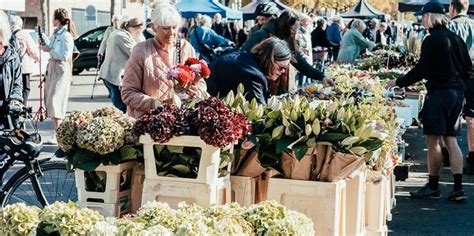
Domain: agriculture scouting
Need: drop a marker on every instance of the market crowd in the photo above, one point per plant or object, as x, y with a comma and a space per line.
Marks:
282, 52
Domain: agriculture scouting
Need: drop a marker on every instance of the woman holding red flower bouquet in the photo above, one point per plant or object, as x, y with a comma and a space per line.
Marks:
146, 83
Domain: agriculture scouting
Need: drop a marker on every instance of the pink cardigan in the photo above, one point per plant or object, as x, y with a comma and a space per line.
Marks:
144, 78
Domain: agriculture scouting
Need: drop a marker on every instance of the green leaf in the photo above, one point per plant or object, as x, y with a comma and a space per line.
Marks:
308, 130
128, 152
182, 169
349, 141
300, 150
372, 144
175, 149
333, 137
316, 127
282, 144
359, 151
241, 89
158, 148
88, 165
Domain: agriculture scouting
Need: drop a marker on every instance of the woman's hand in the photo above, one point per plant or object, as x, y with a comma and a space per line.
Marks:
328, 81
194, 91
391, 83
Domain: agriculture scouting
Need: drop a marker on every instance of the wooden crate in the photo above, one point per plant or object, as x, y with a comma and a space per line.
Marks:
174, 191
208, 166
112, 193
355, 196
243, 189
137, 187
375, 208
107, 209
323, 202
262, 185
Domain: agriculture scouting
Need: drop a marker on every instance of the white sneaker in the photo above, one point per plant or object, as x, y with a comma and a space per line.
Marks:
53, 140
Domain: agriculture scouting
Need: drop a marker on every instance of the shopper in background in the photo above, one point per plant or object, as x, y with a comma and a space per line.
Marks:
334, 33
222, 28
371, 31
266, 62
119, 49
382, 36
103, 45
353, 42
445, 64
463, 26
264, 12
303, 44
10, 72
29, 54
59, 70
203, 39
145, 83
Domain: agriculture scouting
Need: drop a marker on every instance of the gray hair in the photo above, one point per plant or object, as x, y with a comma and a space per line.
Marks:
5, 30
358, 25
205, 21
436, 19
166, 14
16, 23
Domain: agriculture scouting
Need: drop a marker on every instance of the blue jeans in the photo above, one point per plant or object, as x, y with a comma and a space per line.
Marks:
115, 95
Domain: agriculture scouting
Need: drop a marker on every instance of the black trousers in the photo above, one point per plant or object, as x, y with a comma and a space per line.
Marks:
26, 88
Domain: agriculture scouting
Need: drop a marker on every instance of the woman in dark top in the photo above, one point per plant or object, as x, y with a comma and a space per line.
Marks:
319, 36
266, 62
445, 64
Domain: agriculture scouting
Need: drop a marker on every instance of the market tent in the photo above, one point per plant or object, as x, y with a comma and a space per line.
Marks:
415, 5
12, 5
363, 10
189, 9
249, 9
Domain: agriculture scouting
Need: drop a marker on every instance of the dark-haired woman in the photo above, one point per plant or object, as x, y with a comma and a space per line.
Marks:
59, 70
254, 70
285, 28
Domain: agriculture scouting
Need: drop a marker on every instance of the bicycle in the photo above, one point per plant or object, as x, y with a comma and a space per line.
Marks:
38, 181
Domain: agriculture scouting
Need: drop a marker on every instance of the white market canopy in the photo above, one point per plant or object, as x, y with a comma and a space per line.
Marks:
189, 9
363, 10
12, 5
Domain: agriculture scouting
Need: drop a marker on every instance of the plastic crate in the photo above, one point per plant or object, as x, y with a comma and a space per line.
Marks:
323, 202
173, 192
375, 207
137, 187
108, 209
355, 221
208, 165
112, 192
243, 190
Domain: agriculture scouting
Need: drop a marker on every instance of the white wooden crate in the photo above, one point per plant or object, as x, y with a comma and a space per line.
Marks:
174, 191
137, 187
355, 220
112, 191
375, 208
322, 202
208, 166
107, 209
243, 189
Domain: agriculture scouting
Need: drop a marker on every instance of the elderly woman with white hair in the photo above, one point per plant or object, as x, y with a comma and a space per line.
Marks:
353, 42
103, 45
446, 66
29, 53
10, 77
145, 84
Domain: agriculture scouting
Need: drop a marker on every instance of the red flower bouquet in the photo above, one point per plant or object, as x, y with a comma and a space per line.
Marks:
188, 74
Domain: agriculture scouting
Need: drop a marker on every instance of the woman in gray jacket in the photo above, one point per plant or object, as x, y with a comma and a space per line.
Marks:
119, 48
353, 42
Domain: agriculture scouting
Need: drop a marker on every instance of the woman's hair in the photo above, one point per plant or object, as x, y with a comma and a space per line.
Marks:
284, 23
62, 15
165, 14
358, 25
205, 21
16, 23
5, 31
271, 50
320, 23
115, 17
437, 19
134, 22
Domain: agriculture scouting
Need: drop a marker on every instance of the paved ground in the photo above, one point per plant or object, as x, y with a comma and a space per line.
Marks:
410, 217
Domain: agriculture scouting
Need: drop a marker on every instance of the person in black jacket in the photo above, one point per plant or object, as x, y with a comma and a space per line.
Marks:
11, 87
445, 64
285, 28
266, 62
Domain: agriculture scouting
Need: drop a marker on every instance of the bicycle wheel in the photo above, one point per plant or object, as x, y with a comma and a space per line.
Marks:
57, 184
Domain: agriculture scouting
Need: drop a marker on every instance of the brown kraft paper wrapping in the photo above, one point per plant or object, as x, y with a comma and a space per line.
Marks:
262, 185
321, 151
251, 166
325, 169
344, 166
294, 169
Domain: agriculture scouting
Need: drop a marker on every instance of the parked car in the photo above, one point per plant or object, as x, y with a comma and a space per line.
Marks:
88, 45
44, 55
